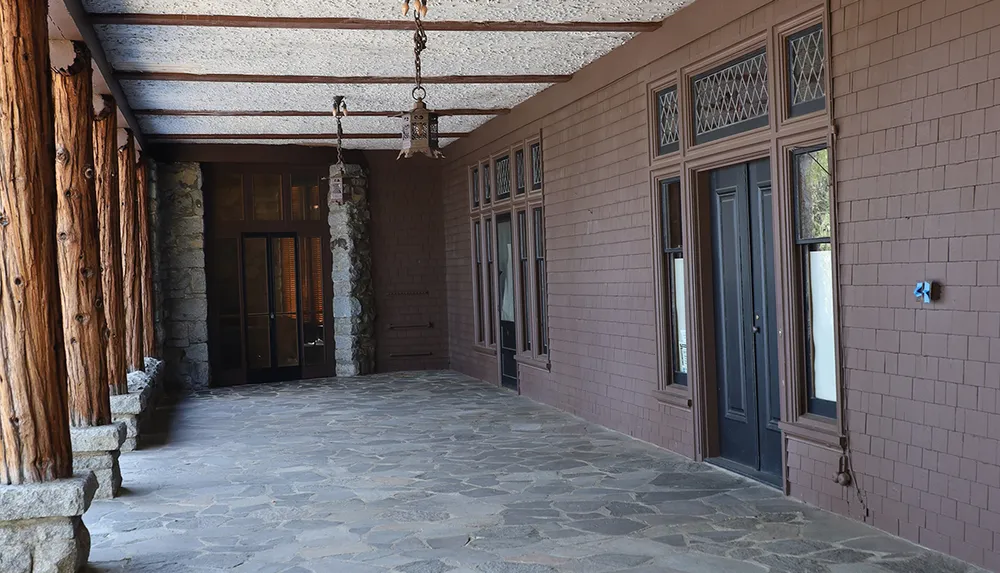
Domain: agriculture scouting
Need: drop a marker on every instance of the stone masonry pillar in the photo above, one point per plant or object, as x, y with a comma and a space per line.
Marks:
353, 293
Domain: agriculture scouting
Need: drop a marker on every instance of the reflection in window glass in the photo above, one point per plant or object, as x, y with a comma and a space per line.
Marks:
673, 274
813, 226
228, 197
505, 270
311, 291
306, 198
267, 197
285, 301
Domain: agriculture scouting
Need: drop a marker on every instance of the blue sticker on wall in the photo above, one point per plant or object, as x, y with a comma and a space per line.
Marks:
923, 292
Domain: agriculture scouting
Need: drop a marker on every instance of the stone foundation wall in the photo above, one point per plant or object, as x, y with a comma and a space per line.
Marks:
182, 275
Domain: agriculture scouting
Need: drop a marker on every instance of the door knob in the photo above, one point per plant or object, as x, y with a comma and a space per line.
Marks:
756, 330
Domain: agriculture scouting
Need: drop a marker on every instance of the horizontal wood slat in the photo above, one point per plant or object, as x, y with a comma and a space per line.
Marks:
219, 21
294, 113
309, 136
284, 79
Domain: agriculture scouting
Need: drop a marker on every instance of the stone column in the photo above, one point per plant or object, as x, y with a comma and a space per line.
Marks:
353, 293
182, 275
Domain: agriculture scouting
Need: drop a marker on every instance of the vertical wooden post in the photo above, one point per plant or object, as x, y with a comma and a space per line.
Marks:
145, 257
108, 207
77, 251
34, 422
130, 255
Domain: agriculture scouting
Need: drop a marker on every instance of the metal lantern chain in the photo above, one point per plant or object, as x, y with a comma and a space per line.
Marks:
419, 45
339, 112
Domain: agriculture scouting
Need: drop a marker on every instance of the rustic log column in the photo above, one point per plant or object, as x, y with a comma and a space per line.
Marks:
78, 254
108, 207
34, 423
145, 258
40, 501
130, 255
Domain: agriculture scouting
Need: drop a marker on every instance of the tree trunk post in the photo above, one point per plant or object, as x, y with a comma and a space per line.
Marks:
34, 422
108, 208
145, 258
41, 502
78, 254
130, 255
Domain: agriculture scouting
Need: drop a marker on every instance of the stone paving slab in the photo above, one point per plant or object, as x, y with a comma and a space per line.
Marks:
438, 473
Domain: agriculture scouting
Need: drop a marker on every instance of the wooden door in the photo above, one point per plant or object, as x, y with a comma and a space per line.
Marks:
745, 320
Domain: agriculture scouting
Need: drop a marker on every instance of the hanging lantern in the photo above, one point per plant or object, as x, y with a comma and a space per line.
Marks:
420, 125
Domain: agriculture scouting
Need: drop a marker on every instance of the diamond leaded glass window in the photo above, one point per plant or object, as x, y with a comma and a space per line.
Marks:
536, 166
731, 99
520, 184
667, 121
806, 71
502, 171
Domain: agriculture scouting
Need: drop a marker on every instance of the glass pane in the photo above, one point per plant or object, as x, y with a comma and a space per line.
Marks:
267, 197
306, 198
667, 129
475, 187
478, 240
313, 316
731, 99
821, 343
230, 342
519, 171
228, 197
502, 170
285, 301
670, 199
812, 177
258, 341
536, 166
490, 313
226, 277
808, 71
505, 270
680, 317
255, 275
487, 193
541, 322
523, 286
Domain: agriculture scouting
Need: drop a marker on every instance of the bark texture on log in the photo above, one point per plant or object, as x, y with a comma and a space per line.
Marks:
34, 422
108, 207
77, 250
145, 258
130, 256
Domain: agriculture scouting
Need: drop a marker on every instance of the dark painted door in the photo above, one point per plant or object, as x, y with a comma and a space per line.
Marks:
745, 322
271, 294
505, 279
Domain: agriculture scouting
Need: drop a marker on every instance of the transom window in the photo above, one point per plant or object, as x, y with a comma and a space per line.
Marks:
536, 166
502, 169
667, 128
806, 71
731, 99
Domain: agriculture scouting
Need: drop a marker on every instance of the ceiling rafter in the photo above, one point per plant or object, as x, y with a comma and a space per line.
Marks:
221, 21
295, 113
286, 79
280, 136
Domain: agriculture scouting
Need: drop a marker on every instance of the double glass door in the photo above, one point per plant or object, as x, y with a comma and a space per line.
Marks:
271, 309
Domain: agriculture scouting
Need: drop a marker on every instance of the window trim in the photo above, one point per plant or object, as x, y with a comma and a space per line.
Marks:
475, 198
532, 186
659, 150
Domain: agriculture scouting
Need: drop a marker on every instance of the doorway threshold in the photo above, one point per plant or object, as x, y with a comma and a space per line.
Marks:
764, 478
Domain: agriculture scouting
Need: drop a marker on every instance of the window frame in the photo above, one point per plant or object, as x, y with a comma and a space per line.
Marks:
736, 129
534, 185
660, 150
475, 199
497, 197
672, 376
477, 282
540, 269
809, 404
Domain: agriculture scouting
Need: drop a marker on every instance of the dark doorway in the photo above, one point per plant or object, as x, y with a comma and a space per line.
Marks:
271, 309
745, 322
268, 274
505, 280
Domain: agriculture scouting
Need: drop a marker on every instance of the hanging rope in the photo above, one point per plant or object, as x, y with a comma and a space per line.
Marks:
419, 45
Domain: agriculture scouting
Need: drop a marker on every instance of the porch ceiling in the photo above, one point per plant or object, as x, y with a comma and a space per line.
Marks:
484, 60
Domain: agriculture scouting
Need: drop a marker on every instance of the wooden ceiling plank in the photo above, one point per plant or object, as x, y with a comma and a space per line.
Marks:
280, 136
285, 79
222, 21
294, 113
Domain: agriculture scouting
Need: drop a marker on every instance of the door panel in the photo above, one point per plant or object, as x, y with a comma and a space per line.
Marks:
745, 323
272, 307
505, 280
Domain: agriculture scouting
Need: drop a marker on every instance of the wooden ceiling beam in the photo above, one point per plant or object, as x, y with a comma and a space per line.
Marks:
294, 113
282, 79
220, 21
280, 136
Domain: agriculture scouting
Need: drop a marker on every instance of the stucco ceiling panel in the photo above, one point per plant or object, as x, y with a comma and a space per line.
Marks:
317, 97
300, 125
352, 144
477, 10
206, 50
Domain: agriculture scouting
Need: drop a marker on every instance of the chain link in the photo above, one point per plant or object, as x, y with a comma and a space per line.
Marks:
339, 110
419, 45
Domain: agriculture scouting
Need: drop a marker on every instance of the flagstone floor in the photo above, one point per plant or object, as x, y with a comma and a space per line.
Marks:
435, 473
